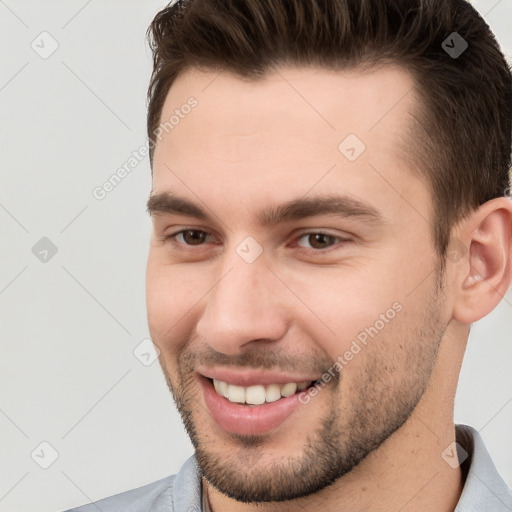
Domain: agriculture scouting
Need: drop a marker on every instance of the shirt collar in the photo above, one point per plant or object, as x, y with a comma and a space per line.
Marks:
484, 489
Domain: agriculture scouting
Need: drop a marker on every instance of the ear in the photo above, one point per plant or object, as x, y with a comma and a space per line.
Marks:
484, 274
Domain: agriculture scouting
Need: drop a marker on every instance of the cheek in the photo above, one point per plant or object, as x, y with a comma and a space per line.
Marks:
346, 306
175, 296
171, 290
166, 302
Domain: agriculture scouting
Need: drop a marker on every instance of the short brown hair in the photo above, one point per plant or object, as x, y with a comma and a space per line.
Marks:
460, 137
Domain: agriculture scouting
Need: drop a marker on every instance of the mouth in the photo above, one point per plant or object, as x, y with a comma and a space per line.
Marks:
252, 410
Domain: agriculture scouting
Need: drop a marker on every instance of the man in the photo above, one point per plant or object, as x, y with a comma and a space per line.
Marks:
330, 214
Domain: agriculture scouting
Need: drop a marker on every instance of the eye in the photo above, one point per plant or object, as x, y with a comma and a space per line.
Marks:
318, 241
189, 237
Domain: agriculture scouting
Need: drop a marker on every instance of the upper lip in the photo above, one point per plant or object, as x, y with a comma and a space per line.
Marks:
248, 377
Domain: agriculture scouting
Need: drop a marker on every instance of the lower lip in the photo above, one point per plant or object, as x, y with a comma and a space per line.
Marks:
247, 420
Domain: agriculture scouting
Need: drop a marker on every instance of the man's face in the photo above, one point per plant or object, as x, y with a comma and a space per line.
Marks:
264, 300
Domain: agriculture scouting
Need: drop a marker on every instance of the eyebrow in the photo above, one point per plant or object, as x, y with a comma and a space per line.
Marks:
341, 205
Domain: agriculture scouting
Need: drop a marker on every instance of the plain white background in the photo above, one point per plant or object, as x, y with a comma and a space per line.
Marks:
69, 325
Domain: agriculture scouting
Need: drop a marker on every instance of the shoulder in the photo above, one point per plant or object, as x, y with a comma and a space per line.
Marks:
134, 500
173, 493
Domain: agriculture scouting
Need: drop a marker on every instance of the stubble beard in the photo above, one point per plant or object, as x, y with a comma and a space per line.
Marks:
387, 393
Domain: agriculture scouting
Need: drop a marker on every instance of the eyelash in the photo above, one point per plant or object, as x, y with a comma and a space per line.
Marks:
172, 239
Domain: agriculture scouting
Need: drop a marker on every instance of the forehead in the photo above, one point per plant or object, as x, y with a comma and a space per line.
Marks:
279, 137
359, 97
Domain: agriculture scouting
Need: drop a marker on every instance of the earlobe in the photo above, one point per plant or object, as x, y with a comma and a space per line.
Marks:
486, 270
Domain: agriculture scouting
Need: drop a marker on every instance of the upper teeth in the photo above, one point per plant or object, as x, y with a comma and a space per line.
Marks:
256, 395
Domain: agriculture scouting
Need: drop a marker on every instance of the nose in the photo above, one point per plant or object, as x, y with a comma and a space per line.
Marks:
246, 306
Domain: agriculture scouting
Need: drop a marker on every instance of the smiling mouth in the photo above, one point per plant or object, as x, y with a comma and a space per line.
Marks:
259, 394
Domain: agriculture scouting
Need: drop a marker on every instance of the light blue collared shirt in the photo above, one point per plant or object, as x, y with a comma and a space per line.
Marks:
484, 489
